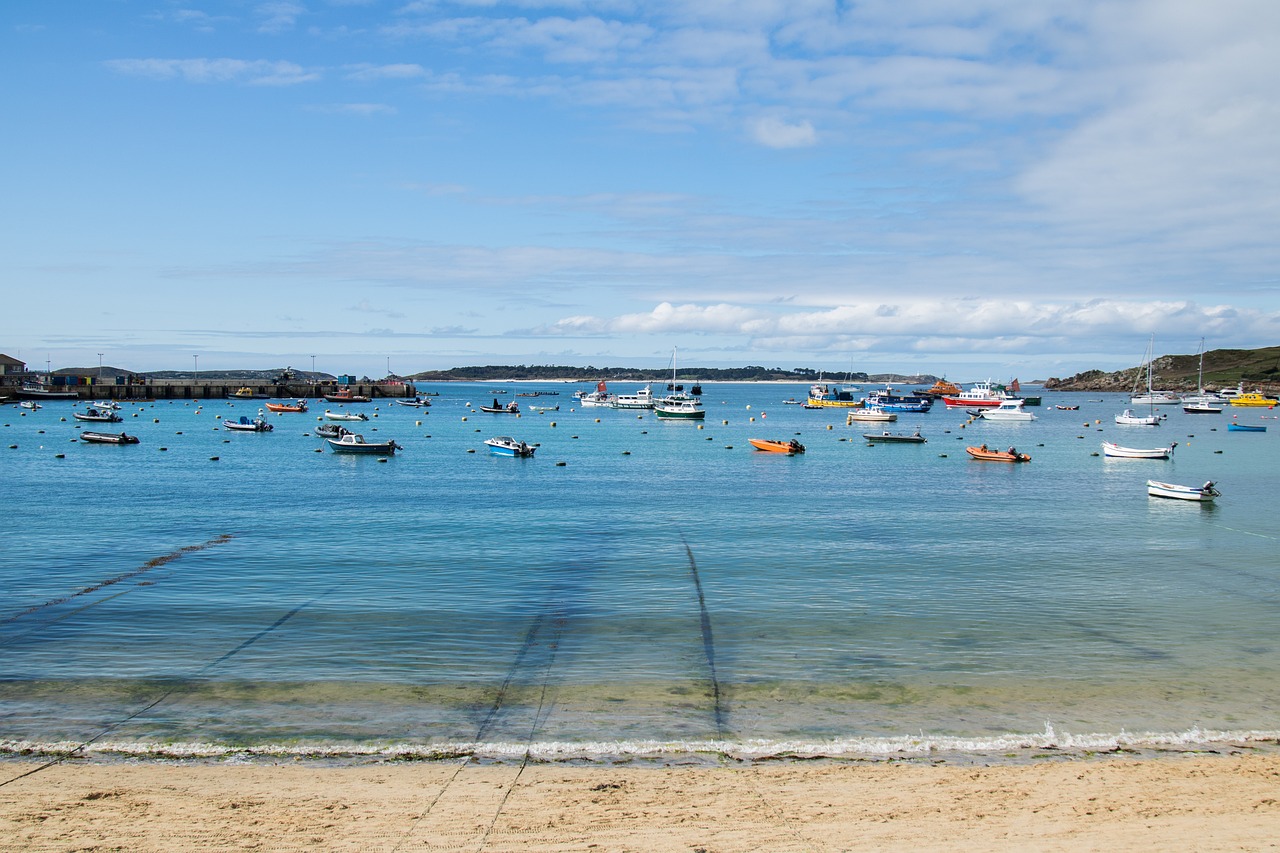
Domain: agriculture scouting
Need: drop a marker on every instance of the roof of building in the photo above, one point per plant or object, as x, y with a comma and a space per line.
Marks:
4, 359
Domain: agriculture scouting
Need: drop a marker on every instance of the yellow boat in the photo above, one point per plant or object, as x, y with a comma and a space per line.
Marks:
1253, 398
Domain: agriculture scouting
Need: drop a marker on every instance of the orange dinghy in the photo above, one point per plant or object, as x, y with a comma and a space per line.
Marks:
987, 454
776, 446
299, 406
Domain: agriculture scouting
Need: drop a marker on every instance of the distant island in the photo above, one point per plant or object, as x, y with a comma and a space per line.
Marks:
568, 373
1223, 368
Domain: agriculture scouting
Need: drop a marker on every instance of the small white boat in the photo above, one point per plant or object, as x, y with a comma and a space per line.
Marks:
1207, 492
1200, 408
872, 414
642, 399
1118, 452
505, 445
258, 424
355, 443
416, 402
345, 416
1128, 418
97, 416
1008, 410
30, 404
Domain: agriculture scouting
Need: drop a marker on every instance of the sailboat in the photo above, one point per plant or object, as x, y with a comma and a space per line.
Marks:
1128, 417
1201, 403
677, 405
1153, 398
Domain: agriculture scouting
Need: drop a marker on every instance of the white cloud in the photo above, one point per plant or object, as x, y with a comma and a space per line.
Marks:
258, 72
776, 133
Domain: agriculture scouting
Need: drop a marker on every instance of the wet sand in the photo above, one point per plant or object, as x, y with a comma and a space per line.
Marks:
1215, 802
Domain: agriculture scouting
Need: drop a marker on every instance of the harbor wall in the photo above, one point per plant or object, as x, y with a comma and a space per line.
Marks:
218, 389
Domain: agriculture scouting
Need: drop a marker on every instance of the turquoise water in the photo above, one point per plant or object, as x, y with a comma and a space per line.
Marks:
666, 590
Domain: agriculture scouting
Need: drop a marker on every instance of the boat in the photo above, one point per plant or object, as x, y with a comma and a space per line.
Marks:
258, 424
941, 388
775, 445
1207, 492
1008, 410
986, 454
1202, 402
642, 399
512, 408
1156, 398
1128, 418
505, 445
355, 443
30, 405
417, 403
872, 414
330, 431
983, 395
823, 395
1245, 428
344, 395
36, 391
1115, 451
1067, 408
598, 397
247, 393
108, 438
678, 405
1015, 389
345, 416
791, 402
298, 406
1254, 399
1199, 408
100, 416
888, 401
895, 437
544, 408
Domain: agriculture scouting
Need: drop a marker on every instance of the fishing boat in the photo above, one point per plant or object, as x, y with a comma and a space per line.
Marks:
345, 416
247, 393
887, 437
36, 391
108, 438
1115, 451
330, 431
642, 399
245, 424
1128, 418
678, 405
942, 388
823, 395
296, 406
983, 395
505, 445
1191, 407
986, 454
1233, 427
776, 445
344, 395
599, 397
100, 416
1254, 399
355, 443
512, 408
1207, 492
1008, 410
872, 414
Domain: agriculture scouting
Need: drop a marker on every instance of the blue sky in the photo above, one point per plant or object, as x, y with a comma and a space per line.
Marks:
962, 188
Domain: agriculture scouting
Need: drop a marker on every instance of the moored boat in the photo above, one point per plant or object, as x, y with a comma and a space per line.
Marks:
345, 416
97, 416
1233, 427
642, 399
296, 406
986, 454
1062, 408
887, 437
355, 443
678, 405
30, 405
245, 424
1199, 407
942, 388
1128, 418
1008, 410
35, 391
983, 395
824, 395
108, 438
1255, 399
1207, 492
416, 403
598, 397
512, 408
777, 445
888, 401
344, 395
1117, 452
247, 393
872, 414
505, 445
330, 431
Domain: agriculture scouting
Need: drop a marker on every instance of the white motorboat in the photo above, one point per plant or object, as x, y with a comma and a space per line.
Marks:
642, 399
505, 445
97, 416
1008, 410
1128, 418
244, 424
873, 414
345, 416
1117, 452
1207, 492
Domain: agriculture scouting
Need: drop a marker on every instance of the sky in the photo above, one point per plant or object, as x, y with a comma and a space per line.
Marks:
969, 188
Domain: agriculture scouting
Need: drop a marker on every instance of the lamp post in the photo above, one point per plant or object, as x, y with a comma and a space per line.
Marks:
313, 367
99, 367
196, 375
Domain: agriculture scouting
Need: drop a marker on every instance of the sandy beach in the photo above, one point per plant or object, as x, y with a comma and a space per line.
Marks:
1199, 802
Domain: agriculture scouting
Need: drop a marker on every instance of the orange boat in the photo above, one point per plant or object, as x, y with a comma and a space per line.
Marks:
941, 388
987, 454
299, 406
776, 445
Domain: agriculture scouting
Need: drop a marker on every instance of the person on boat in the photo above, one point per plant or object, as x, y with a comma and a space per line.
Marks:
983, 448
1012, 451
495, 402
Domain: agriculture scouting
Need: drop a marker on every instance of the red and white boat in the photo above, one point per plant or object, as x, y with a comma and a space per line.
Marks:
983, 395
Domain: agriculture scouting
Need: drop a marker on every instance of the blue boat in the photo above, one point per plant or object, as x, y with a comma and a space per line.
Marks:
887, 401
505, 445
1245, 428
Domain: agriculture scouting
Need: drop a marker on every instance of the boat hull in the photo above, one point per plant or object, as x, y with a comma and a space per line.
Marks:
506, 446
776, 446
996, 455
1245, 428
1115, 451
1203, 494
359, 446
108, 438
894, 438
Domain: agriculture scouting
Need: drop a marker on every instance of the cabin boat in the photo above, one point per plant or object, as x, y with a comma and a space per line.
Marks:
983, 395
512, 408
1128, 418
888, 401
823, 395
642, 399
872, 414
989, 455
108, 438
775, 445
297, 406
599, 397
344, 395
505, 445
247, 393
1008, 410
1115, 451
355, 443
1255, 399
942, 388
1200, 407
1205, 493
35, 391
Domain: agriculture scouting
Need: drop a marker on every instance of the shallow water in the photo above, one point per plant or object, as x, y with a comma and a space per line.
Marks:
666, 589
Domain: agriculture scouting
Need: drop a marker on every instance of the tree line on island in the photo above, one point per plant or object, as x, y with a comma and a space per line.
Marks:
568, 373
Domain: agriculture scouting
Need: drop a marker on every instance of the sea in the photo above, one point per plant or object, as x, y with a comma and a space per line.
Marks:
639, 590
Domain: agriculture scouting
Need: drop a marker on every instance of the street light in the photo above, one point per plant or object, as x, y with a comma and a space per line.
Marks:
99, 367
196, 374
313, 366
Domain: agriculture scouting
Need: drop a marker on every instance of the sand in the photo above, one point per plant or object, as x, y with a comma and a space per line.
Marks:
1220, 802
